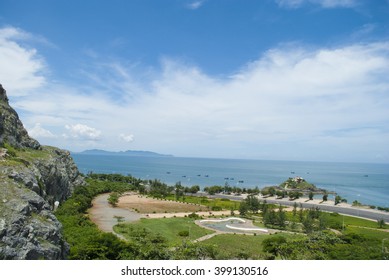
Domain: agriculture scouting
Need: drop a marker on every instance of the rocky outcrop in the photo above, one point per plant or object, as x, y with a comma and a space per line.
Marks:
12, 130
28, 228
32, 178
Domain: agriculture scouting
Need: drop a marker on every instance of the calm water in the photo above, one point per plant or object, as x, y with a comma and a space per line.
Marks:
365, 182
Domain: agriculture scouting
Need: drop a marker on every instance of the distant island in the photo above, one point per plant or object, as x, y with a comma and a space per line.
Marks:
97, 152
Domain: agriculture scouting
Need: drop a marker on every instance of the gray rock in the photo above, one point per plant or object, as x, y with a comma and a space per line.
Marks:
31, 180
12, 130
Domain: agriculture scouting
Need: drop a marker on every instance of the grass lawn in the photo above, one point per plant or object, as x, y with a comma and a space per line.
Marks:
169, 228
353, 221
238, 246
369, 233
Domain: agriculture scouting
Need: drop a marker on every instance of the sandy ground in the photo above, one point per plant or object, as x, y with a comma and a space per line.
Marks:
147, 205
105, 216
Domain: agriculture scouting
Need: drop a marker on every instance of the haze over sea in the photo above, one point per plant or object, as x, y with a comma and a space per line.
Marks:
365, 182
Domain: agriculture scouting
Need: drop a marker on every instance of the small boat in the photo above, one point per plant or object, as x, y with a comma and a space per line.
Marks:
366, 176
168, 172
206, 175
241, 181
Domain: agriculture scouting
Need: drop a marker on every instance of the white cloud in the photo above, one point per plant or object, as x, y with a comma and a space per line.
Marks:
39, 132
195, 5
322, 3
83, 131
289, 96
127, 137
292, 102
21, 67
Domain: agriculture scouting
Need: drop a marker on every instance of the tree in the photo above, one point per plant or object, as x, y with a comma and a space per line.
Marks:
322, 222
295, 195
265, 192
310, 195
243, 208
252, 203
308, 224
113, 199
194, 189
325, 197
338, 199
270, 218
281, 217
179, 190
301, 215
295, 209
272, 244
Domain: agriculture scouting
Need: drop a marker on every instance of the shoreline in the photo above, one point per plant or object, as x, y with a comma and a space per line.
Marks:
329, 206
352, 185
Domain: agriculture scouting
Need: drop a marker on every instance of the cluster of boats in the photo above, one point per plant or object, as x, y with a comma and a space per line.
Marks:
199, 175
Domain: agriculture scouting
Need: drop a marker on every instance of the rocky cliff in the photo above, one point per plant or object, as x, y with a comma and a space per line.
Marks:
32, 179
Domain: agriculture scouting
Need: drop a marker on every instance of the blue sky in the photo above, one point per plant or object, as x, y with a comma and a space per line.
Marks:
270, 79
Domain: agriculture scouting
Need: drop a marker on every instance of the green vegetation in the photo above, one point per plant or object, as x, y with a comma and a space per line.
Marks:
173, 230
228, 190
339, 199
85, 239
113, 198
323, 245
24, 156
216, 203
298, 183
87, 242
317, 235
237, 246
10, 150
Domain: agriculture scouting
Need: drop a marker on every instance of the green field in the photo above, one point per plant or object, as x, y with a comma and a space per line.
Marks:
239, 246
333, 236
168, 228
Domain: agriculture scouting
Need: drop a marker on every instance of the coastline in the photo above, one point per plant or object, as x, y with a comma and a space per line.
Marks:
347, 180
328, 206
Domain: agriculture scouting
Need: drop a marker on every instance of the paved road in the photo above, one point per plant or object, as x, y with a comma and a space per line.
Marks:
358, 212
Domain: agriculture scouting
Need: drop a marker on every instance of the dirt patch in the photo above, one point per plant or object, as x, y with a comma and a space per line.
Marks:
105, 216
147, 205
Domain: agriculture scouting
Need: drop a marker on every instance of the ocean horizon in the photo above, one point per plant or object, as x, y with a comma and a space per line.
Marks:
366, 182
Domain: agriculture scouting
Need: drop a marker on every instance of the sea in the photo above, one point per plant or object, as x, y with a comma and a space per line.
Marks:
366, 182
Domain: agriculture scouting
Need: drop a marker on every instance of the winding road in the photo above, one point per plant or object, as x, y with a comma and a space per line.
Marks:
352, 211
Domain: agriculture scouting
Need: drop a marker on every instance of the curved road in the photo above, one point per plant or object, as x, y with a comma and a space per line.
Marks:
352, 211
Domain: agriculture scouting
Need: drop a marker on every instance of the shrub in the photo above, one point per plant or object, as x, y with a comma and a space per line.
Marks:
113, 199
11, 151
183, 233
193, 216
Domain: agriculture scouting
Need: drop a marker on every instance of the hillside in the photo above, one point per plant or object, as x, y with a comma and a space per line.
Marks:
122, 153
33, 178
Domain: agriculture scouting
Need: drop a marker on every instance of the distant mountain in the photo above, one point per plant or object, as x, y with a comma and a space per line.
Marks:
125, 153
